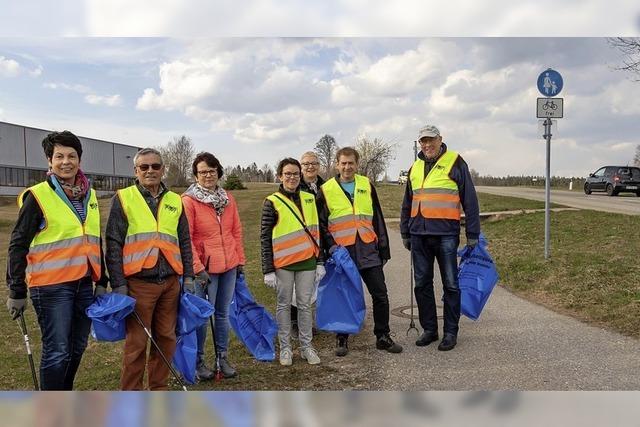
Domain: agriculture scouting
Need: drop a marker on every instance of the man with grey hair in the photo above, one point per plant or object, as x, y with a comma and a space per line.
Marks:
148, 248
439, 185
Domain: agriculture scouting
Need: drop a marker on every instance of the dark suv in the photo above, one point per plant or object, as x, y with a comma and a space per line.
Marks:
614, 180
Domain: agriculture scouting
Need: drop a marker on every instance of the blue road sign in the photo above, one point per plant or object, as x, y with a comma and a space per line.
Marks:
550, 82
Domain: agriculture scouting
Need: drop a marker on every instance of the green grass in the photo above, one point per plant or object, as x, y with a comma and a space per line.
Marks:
593, 269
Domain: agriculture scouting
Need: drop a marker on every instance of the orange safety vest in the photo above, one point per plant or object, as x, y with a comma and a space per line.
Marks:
346, 219
146, 235
435, 196
66, 249
291, 244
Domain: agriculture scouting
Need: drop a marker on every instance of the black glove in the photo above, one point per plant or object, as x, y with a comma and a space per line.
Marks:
472, 243
99, 290
240, 269
16, 307
406, 243
189, 286
332, 249
122, 290
202, 278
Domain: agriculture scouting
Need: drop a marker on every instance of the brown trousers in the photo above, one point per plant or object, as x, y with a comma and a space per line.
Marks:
157, 306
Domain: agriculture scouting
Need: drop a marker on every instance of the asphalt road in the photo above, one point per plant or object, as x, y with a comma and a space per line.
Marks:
515, 345
628, 204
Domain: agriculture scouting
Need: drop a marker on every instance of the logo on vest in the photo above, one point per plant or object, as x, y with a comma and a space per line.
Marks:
362, 191
440, 167
171, 208
93, 205
308, 201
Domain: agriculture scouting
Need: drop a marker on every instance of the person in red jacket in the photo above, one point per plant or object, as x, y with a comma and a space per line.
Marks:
218, 255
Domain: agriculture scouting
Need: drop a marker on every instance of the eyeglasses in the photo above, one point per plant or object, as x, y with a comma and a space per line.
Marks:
307, 164
291, 174
426, 141
210, 172
155, 166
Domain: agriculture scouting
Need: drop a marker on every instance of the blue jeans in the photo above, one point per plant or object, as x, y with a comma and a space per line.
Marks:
65, 330
220, 291
424, 249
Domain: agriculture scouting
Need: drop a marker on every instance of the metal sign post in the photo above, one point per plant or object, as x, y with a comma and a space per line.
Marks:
549, 84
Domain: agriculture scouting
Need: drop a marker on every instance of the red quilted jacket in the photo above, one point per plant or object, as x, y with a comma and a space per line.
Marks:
216, 241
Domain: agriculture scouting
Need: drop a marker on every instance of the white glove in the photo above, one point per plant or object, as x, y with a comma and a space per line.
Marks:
320, 273
270, 280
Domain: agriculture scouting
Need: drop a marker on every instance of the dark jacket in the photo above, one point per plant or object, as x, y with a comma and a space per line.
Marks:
365, 255
269, 220
116, 232
305, 187
443, 227
30, 221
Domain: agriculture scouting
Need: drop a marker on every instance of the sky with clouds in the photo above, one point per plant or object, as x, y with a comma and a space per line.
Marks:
258, 99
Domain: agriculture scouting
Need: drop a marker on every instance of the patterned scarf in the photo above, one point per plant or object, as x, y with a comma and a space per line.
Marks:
78, 189
217, 198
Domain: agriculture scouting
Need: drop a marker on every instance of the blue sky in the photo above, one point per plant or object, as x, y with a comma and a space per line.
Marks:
251, 99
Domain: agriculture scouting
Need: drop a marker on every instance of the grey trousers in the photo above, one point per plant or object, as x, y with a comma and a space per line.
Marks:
304, 284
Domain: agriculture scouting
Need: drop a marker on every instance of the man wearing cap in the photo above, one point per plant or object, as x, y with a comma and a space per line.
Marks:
439, 184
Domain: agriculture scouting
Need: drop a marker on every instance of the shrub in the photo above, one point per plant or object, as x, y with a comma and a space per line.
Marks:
233, 183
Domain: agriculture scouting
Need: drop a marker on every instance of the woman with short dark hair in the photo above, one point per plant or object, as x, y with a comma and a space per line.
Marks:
56, 253
291, 257
218, 254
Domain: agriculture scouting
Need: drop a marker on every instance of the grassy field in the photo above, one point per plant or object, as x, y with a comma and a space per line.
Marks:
592, 274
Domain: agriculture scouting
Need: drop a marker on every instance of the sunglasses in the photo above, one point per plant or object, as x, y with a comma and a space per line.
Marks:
155, 166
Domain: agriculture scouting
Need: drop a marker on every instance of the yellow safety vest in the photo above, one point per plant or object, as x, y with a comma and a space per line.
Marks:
436, 196
66, 248
146, 235
291, 244
346, 219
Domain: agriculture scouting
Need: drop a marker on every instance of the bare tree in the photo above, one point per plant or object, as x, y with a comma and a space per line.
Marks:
178, 156
375, 155
636, 158
326, 148
630, 48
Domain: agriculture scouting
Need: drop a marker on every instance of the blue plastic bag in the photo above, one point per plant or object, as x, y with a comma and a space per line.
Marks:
193, 312
185, 357
252, 323
477, 276
340, 304
107, 314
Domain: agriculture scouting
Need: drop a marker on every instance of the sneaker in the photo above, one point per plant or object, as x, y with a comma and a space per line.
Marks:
384, 342
341, 345
286, 357
204, 373
310, 355
448, 342
227, 370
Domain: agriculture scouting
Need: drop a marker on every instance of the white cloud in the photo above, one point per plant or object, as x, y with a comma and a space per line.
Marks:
9, 67
65, 86
109, 101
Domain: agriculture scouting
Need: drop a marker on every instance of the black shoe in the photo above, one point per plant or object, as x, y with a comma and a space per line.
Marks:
341, 346
227, 370
384, 342
448, 342
426, 338
204, 373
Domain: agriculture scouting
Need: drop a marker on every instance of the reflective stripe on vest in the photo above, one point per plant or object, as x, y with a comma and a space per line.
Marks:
146, 235
436, 196
291, 244
66, 249
346, 219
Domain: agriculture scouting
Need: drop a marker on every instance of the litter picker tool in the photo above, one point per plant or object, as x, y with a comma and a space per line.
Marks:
23, 328
164, 358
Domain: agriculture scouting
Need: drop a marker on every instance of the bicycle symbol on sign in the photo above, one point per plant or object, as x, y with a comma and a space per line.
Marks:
549, 104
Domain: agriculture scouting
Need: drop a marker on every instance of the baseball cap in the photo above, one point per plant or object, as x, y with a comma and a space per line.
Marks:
428, 131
